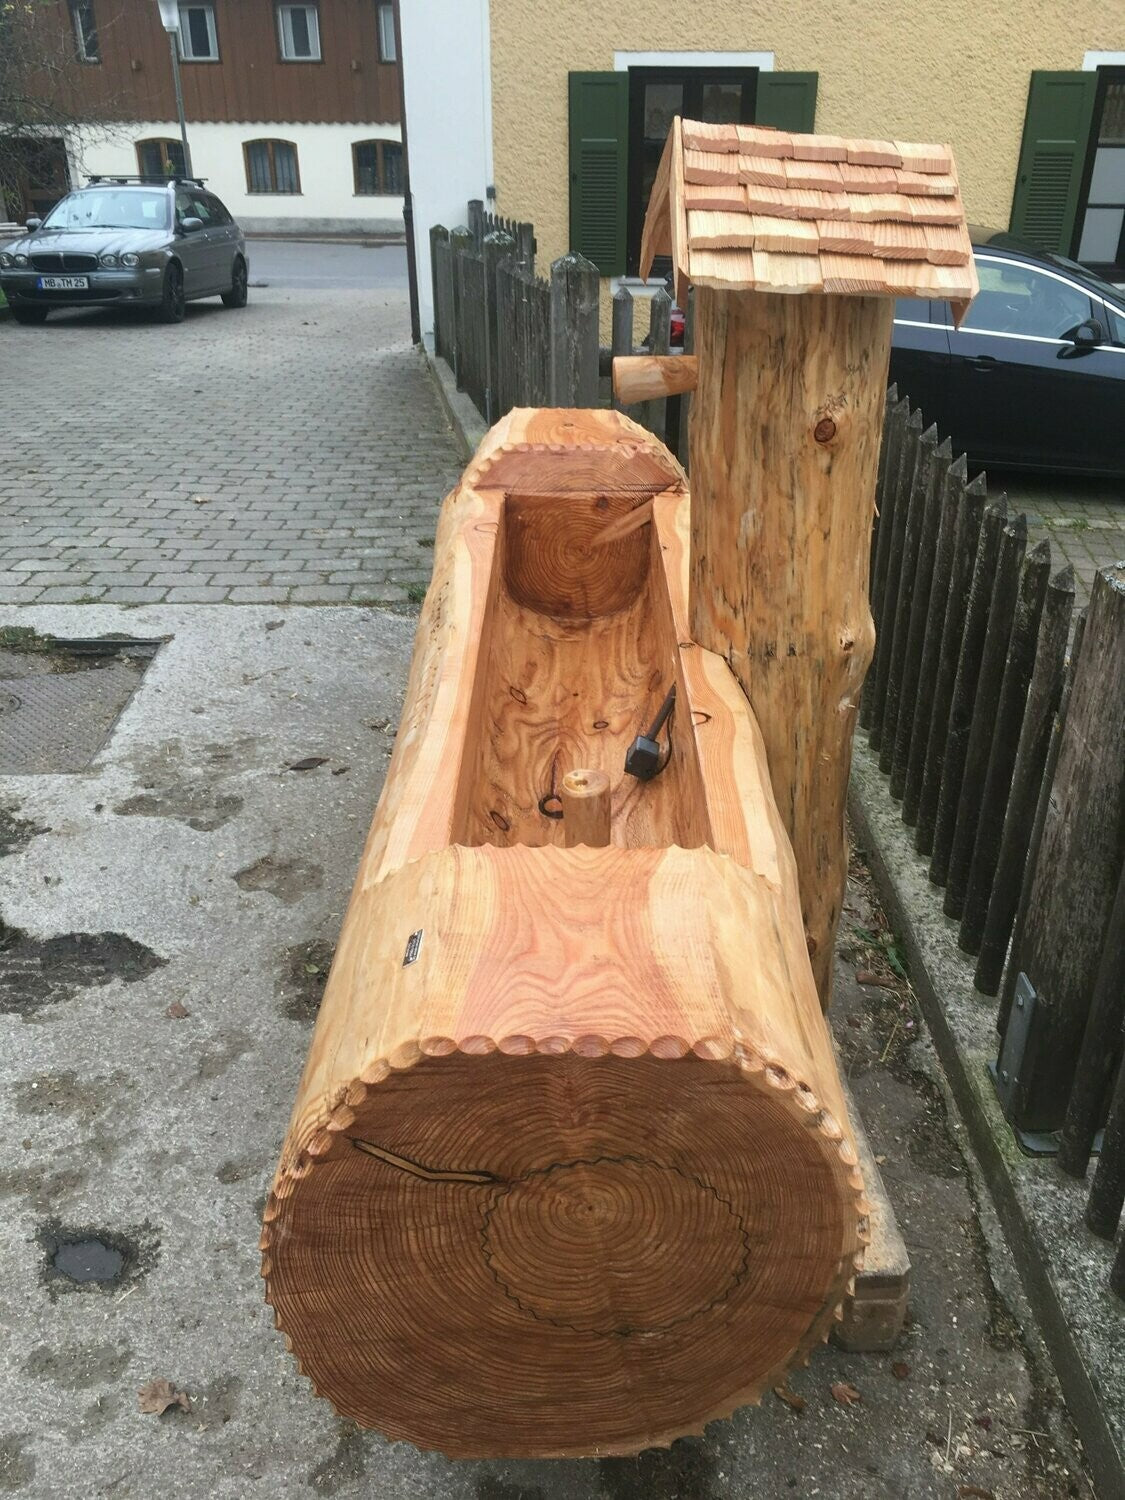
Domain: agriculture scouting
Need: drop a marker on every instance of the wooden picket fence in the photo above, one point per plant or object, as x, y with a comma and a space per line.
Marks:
1005, 753
514, 338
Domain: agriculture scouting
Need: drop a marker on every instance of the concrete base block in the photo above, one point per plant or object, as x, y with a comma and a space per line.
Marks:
875, 1312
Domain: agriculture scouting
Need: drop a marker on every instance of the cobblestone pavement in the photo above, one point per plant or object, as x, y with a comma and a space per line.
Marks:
295, 451
1084, 519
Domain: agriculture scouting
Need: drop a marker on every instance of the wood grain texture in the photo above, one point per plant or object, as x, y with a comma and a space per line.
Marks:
781, 522
643, 377
569, 1170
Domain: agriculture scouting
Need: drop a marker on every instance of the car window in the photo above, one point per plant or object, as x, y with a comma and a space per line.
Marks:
1112, 321
109, 208
219, 214
1020, 299
201, 207
184, 209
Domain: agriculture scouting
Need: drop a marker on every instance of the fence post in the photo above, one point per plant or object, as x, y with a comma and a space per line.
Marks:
655, 415
438, 236
1006, 713
460, 240
901, 480
573, 368
1100, 1056
621, 342
1079, 864
683, 443
525, 247
1043, 697
496, 248
964, 696
886, 494
476, 221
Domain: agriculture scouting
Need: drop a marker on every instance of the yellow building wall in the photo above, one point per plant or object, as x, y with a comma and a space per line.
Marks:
952, 71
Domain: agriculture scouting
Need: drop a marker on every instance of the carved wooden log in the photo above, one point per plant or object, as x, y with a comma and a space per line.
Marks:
785, 429
569, 1170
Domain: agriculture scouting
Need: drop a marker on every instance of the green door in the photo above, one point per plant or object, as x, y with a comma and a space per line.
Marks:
1056, 136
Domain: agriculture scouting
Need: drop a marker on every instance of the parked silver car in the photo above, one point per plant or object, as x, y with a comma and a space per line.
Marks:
127, 242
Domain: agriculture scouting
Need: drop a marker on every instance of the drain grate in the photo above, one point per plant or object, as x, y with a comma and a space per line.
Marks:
60, 701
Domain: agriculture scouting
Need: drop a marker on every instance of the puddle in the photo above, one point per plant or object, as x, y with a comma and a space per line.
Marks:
87, 1258
306, 973
35, 972
16, 832
197, 805
287, 879
78, 1367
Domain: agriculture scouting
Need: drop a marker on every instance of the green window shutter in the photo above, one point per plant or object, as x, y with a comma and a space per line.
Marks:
599, 150
786, 101
1056, 133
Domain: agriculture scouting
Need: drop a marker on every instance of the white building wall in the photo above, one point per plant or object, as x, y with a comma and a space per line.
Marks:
327, 202
447, 81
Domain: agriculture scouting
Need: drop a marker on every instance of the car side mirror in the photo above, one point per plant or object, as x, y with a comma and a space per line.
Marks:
32, 223
1088, 335
191, 224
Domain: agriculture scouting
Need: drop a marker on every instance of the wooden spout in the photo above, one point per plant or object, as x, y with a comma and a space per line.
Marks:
648, 377
585, 802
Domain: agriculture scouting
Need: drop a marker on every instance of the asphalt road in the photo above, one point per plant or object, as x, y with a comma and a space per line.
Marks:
327, 266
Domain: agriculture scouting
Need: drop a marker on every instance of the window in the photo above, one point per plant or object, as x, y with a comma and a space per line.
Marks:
85, 30
199, 41
386, 18
1018, 299
161, 158
377, 166
298, 29
271, 167
1103, 227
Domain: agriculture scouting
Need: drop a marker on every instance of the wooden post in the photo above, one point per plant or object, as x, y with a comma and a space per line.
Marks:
683, 445
1011, 973
476, 222
647, 377
903, 481
525, 247
460, 241
621, 344
655, 416
586, 809
913, 603
1007, 710
966, 540
496, 249
438, 236
1100, 1056
1079, 863
1043, 698
978, 744
964, 695
890, 450
785, 429
574, 332
949, 501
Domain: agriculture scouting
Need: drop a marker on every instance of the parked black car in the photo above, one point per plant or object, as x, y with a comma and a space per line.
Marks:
1035, 376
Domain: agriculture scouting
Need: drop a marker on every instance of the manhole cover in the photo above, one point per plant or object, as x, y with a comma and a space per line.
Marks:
56, 720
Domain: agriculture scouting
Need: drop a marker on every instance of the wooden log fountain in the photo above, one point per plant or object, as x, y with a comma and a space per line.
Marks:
569, 1170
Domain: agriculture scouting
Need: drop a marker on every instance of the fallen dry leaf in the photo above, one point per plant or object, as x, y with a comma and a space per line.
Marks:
900, 1369
845, 1394
177, 1011
156, 1397
884, 981
791, 1398
309, 763
965, 1490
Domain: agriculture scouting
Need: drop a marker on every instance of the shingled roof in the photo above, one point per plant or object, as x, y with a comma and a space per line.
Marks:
747, 207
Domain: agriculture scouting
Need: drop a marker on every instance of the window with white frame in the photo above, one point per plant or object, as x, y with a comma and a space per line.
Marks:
298, 29
199, 41
386, 18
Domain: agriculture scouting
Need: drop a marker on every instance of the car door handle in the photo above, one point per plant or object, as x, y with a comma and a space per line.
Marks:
983, 361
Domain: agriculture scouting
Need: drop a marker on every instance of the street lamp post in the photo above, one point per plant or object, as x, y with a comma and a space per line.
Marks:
170, 18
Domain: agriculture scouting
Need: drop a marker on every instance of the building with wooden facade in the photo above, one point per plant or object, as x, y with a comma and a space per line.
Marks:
558, 114
292, 110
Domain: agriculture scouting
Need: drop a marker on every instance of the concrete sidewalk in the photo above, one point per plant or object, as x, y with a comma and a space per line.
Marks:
169, 917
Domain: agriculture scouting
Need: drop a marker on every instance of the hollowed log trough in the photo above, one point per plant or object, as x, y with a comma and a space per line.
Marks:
569, 1171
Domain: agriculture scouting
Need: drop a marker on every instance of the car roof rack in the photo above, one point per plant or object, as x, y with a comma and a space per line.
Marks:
129, 179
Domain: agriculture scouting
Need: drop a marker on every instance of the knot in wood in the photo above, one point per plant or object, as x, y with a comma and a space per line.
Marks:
825, 430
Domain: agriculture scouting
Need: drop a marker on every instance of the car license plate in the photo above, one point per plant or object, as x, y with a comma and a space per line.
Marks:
63, 283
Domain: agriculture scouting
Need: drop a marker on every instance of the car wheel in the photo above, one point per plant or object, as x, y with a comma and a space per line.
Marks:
171, 309
236, 297
30, 314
